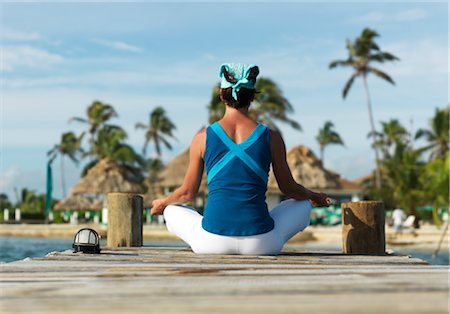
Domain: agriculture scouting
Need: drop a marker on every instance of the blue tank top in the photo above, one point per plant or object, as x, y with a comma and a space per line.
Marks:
237, 183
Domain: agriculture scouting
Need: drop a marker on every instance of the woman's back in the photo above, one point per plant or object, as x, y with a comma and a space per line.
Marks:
237, 158
237, 153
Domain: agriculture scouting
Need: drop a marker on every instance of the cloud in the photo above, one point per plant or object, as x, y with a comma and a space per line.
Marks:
17, 35
176, 76
118, 45
411, 15
33, 179
198, 72
8, 177
370, 17
420, 58
17, 178
14, 57
351, 166
27, 122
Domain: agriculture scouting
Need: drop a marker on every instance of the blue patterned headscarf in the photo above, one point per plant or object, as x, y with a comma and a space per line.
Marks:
240, 72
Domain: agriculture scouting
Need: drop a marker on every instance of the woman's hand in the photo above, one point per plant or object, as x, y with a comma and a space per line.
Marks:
320, 200
158, 207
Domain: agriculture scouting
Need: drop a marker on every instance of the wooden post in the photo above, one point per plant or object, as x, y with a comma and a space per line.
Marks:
363, 228
6, 214
124, 219
17, 215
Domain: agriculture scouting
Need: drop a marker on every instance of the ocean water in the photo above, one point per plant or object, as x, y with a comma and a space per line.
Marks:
424, 253
18, 248
442, 257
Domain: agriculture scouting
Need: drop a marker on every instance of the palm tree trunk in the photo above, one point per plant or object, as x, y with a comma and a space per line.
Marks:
321, 155
63, 179
92, 144
372, 125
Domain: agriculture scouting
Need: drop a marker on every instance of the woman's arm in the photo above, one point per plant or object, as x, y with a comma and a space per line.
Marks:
284, 178
188, 190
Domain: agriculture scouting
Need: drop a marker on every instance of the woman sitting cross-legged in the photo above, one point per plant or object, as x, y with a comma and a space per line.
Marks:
237, 153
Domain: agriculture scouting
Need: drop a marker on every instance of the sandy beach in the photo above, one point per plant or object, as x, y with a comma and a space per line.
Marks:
427, 236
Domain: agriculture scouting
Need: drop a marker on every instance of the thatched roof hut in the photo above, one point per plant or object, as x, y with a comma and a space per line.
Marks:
368, 180
172, 175
308, 171
107, 176
76, 202
98, 204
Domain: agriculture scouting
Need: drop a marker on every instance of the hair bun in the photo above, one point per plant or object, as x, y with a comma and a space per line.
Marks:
229, 77
253, 73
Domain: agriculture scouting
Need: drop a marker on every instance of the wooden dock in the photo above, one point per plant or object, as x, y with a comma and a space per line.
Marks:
168, 280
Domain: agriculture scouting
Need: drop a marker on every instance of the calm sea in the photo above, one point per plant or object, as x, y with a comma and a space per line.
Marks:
17, 248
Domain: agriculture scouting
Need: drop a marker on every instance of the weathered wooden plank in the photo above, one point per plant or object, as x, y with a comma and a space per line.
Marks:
167, 280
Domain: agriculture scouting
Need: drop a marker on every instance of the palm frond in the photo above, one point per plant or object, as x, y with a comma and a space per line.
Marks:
348, 85
383, 56
341, 63
140, 126
380, 74
166, 143
73, 158
78, 120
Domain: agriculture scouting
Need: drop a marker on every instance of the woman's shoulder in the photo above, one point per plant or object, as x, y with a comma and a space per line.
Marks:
201, 134
274, 134
198, 141
276, 140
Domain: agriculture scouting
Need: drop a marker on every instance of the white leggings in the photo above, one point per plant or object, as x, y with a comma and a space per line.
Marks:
290, 217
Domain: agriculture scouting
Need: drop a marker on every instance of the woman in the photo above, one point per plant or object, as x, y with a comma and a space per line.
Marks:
237, 153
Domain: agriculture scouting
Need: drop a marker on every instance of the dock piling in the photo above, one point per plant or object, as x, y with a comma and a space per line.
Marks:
363, 228
124, 220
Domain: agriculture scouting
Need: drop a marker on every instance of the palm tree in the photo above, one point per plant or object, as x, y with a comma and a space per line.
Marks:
70, 145
392, 133
438, 134
98, 114
158, 130
110, 143
4, 201
326, 137
403, 172
31, 203
361, 54
435, 181
153, 167
216, 109
269, 105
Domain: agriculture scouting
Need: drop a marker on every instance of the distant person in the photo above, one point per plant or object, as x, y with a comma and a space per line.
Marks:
237, 153
398, 216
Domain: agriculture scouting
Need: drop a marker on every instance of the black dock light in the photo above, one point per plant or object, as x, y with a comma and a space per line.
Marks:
87, 241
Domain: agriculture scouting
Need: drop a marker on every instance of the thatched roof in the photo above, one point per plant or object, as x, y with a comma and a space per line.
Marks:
367, 180
173, 174
107, 176
308, 171
98, 205
76, 202
349, 185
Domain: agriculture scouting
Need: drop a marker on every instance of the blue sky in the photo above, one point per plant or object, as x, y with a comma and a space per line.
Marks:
59, 57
